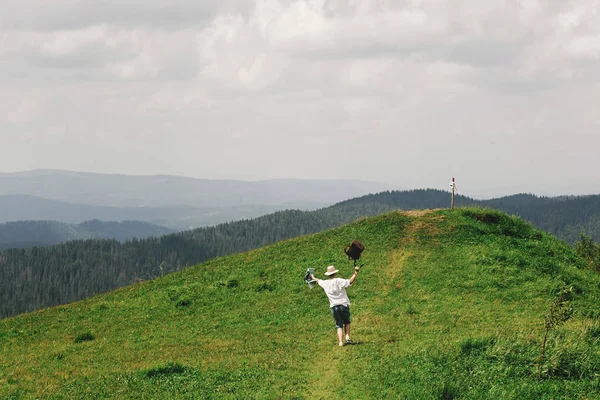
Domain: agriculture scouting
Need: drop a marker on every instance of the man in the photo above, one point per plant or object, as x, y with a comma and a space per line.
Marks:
335, 288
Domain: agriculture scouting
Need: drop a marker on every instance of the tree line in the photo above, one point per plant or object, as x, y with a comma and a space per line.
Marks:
20, 234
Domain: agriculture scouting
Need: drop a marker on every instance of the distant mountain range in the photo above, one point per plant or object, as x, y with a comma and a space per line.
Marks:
178, 203
22, 234
168, 191
31, 208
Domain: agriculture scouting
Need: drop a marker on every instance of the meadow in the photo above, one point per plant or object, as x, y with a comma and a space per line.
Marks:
450, 304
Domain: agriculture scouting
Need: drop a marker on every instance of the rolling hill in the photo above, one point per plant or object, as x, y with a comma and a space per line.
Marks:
450, 304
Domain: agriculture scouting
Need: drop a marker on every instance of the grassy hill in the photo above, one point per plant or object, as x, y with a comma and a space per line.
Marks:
449, 304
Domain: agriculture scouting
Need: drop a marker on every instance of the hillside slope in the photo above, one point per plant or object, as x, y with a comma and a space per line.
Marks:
449, 304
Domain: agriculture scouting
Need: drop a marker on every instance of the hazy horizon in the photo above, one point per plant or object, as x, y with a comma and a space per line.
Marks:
38, 170
390, 187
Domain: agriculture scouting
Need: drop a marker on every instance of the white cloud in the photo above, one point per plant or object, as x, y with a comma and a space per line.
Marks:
43, 15
585, 47
67, 42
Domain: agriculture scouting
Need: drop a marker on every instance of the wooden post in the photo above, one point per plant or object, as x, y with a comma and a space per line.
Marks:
452, 186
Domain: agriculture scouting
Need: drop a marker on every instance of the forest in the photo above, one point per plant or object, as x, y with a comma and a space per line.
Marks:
20, 234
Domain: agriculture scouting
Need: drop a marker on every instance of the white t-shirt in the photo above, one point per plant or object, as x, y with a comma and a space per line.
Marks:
336, 291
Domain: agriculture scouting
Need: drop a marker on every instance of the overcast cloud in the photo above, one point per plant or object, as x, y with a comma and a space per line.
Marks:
503, 95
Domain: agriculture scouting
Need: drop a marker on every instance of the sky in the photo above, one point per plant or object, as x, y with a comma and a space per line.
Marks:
502, 95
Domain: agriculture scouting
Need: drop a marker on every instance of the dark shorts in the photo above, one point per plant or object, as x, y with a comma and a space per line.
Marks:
341, 315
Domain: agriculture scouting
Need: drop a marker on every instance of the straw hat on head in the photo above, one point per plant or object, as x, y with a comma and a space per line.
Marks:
331, 270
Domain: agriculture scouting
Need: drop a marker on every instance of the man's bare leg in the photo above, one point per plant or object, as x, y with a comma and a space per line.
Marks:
340, 333
347, 327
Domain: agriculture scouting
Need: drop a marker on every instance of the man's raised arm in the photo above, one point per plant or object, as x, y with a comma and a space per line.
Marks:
353, 277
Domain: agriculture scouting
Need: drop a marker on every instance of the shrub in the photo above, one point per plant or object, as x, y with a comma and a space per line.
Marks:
471, 346
485, 216
449, 391
593, 332
560, 312
183, 303
168, 369
84, 337
589, 251
411, 310
232, 283
499, 222
566, 362
264, 287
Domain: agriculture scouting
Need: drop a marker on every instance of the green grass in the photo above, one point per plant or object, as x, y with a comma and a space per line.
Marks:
449, 305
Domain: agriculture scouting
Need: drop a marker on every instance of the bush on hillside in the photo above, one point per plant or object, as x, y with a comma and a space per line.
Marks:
168, 369
589, 251
472, 346
84, 337
499, 222
183, 303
